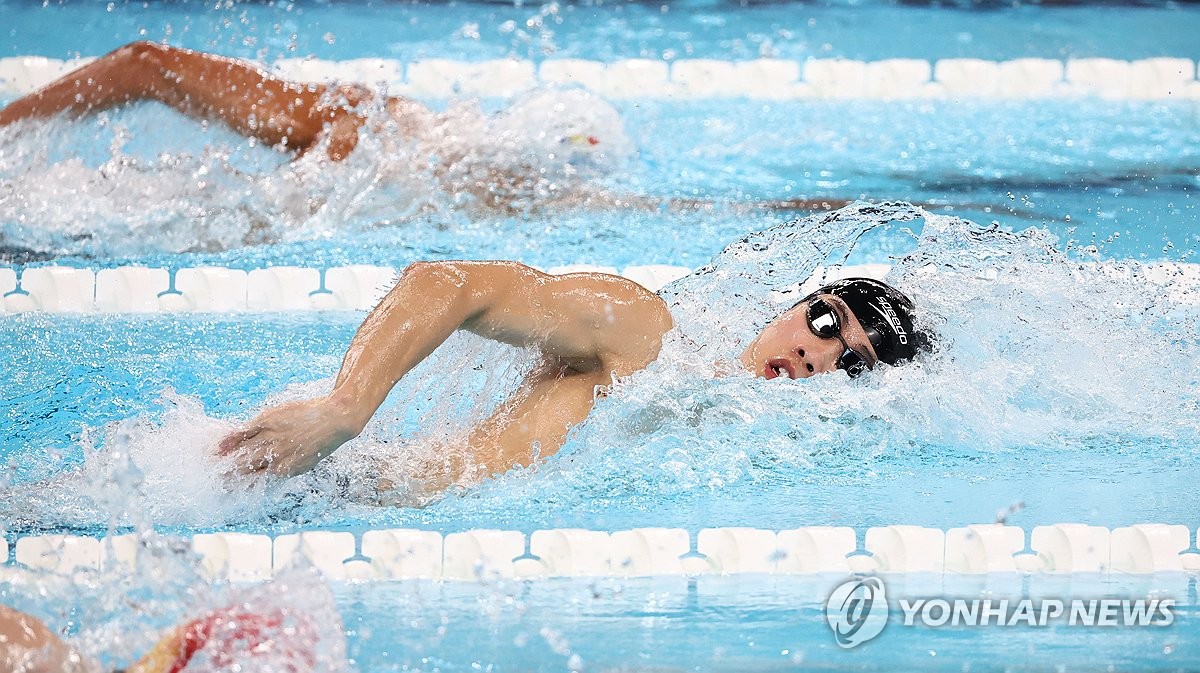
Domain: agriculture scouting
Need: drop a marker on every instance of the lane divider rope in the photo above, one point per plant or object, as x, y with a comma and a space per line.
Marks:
765, 79
138, 289
483, 554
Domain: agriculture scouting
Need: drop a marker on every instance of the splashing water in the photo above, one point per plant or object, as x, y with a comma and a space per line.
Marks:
134, 471
119, 616
64, 190
1036, 349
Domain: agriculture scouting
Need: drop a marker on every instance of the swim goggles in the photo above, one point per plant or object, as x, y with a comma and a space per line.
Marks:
824, 321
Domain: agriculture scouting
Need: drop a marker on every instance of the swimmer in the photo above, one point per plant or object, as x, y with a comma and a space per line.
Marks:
218, 637
298, 117
588, 328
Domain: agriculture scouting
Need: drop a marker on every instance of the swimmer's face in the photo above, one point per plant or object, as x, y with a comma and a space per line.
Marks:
789, 347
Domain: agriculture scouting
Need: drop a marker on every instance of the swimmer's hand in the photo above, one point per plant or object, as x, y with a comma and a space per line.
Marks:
289, 439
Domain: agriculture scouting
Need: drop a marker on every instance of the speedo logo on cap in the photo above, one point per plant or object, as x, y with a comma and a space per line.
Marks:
885, 307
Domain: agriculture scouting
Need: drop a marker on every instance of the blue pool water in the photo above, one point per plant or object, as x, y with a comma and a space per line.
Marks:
612, 30
1058, 392
747, 623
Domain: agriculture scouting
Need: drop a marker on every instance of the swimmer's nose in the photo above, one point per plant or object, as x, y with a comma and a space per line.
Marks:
811, 363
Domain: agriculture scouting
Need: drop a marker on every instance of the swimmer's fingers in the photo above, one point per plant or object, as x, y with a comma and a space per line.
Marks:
236, 441
253, 453
255, 463
257, 458
246, 466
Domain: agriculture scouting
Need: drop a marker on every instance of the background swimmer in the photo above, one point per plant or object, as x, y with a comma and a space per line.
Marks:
548, 149
219, 637
588, 328
578, 135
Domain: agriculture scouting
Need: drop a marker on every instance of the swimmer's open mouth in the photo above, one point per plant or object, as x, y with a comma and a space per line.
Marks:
777, 367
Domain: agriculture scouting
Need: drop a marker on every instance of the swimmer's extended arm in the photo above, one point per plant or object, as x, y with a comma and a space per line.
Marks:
275, 111
587, 322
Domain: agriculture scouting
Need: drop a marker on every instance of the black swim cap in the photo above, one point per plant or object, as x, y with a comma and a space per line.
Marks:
885, 313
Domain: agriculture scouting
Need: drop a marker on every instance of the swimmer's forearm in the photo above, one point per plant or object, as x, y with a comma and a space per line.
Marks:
429, 302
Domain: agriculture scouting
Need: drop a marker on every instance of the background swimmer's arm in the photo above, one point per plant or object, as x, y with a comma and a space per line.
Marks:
26, 644
586, 322
275, 111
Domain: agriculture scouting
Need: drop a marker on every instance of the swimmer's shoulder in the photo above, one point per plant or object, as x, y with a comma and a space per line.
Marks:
618, 292
607, 302
631, 318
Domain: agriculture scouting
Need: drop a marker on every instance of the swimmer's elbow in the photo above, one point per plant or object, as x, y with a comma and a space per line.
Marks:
432, 274
475, 286
445, 283
644, 344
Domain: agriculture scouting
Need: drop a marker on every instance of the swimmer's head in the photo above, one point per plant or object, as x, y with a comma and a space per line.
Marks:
228, 637
851, 325
566, 128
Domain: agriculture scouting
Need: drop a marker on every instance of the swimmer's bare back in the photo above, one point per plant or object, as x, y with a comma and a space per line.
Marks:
588, 327
280, 113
